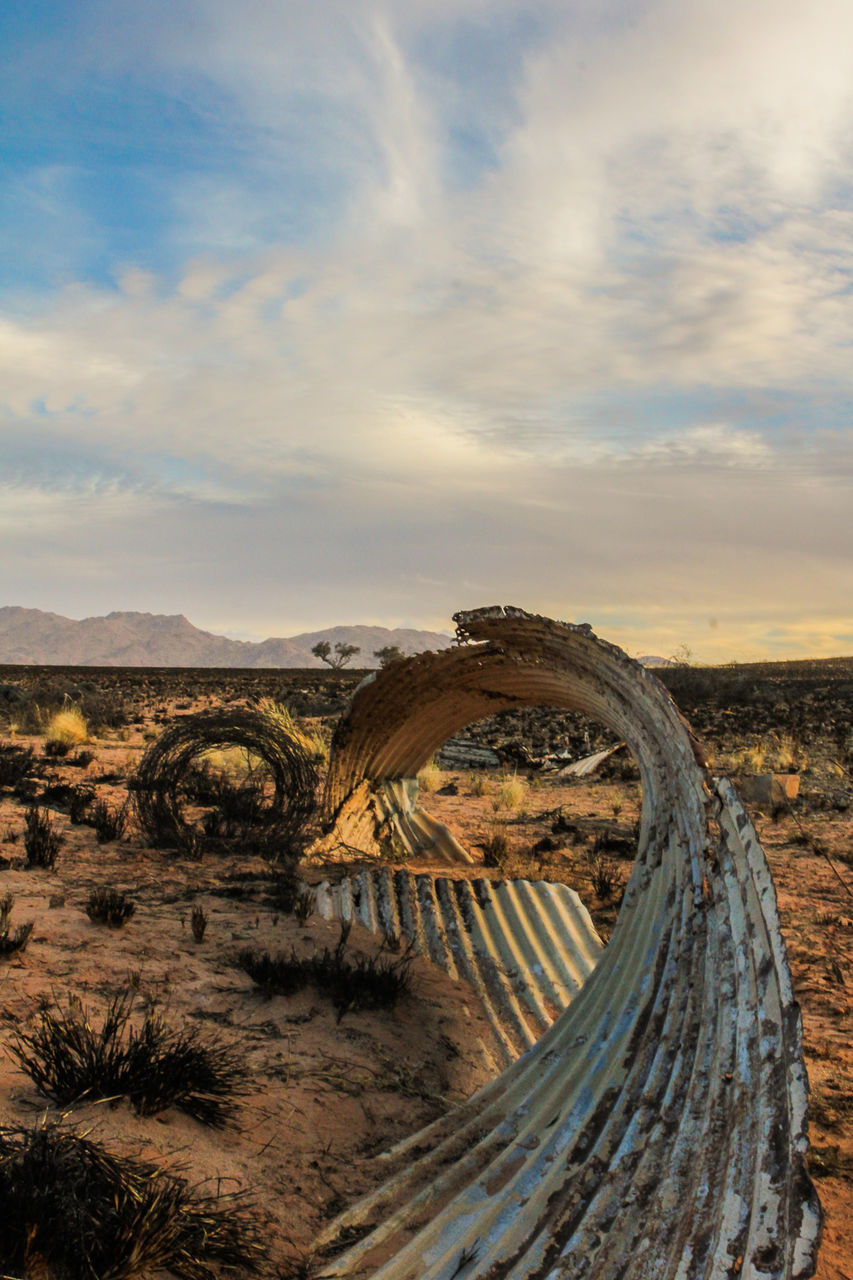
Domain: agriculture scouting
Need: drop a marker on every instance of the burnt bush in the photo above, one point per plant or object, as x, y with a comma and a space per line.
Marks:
16, 763
41, 842
153, 1066
109, 906
72, 1210
10, 942
350, 982
168, 776
109, 821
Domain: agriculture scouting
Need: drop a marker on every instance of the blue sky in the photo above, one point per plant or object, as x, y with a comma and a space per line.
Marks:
370, 311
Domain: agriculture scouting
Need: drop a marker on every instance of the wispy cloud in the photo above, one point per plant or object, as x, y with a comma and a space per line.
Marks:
556, 300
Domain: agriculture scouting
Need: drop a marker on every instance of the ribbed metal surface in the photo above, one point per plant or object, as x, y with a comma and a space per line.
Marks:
525, 948
657, 1129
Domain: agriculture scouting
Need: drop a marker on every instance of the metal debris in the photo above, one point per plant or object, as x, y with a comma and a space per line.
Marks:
526, 949
587, 765
658, 1128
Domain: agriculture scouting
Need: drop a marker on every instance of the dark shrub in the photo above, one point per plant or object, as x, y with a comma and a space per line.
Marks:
41, 842
154, 1067
71, 1210
108, 906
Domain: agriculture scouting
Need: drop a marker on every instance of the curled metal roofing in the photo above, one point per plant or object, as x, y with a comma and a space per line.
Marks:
658, 1127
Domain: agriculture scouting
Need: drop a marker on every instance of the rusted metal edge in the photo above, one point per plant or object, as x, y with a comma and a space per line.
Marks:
658, 1128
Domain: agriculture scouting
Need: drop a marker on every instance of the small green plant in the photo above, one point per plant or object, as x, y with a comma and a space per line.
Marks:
109, 906
198, 922
41, 842
70, 1208
82, 759
155, 1067
480, 785
12, 942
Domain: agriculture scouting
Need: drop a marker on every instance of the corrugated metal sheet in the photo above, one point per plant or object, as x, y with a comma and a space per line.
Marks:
588, 764
525, 948
657, 1128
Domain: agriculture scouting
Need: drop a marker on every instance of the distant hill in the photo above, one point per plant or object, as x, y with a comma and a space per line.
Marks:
33, 637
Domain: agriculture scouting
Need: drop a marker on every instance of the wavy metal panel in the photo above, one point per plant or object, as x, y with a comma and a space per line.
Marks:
657, 1128
525, 948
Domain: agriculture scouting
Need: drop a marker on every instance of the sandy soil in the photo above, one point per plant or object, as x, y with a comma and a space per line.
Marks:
322, 1095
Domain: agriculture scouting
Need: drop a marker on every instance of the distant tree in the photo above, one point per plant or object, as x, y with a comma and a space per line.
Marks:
388, 654
343, 653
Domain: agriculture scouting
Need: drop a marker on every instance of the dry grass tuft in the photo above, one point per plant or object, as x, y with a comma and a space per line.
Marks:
430, 777
511, 793
68, 728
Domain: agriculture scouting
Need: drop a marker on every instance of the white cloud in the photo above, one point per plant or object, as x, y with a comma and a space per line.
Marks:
435, 382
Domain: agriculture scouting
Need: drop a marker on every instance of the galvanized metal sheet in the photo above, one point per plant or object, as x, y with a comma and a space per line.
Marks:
658, 1127
526, 949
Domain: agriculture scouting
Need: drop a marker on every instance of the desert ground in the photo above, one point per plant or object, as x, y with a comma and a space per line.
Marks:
320, 1089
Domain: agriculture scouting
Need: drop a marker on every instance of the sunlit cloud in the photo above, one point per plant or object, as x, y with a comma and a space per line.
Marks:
375, 307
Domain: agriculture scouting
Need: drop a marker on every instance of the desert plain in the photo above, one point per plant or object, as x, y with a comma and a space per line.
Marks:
323, 1090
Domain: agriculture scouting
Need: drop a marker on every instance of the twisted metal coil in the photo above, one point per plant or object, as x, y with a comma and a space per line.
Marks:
658, 1128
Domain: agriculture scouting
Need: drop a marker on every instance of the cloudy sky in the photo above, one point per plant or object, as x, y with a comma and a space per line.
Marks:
370, 310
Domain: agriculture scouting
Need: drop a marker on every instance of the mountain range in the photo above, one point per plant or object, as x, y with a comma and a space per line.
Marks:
33, 637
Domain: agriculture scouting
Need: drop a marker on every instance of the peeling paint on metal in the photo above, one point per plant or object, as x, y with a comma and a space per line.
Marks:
656, 1128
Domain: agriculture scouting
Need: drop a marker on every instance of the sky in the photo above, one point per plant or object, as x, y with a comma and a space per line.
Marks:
366, 311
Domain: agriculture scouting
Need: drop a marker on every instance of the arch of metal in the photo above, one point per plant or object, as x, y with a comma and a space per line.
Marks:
658, 1128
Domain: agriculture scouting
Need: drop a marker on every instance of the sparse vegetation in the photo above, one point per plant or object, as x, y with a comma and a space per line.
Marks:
10, 942
343, 654
430, 777
15, 763
606, 880
79, 800
41, 842
155, 1067
109, 821
510, 793
71, 1209
350, 982
109, 906
496, 849
198, 922
388, 653
272, 827
67, 728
